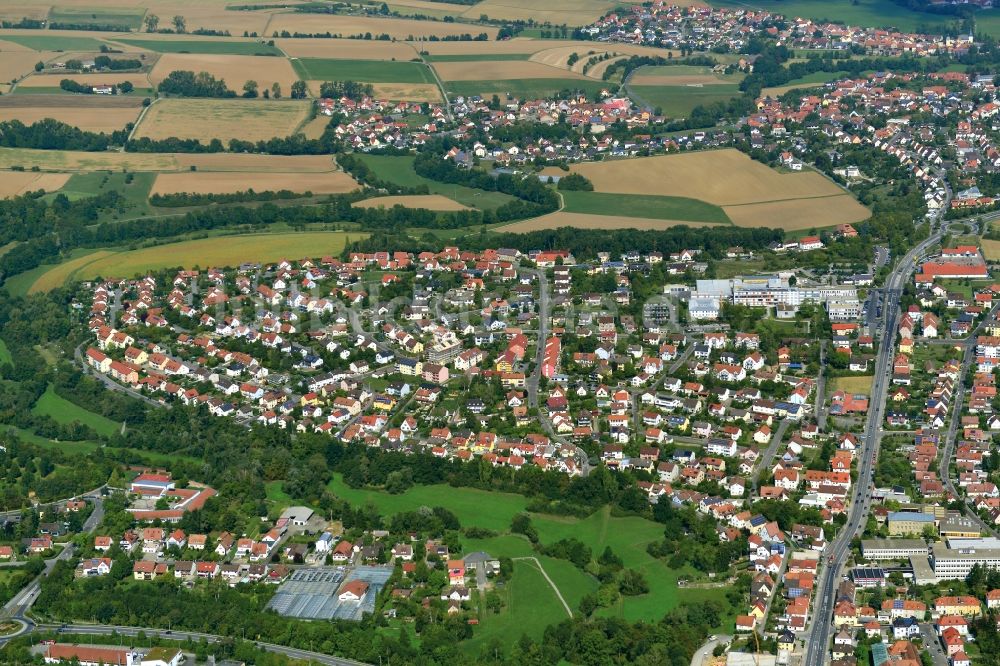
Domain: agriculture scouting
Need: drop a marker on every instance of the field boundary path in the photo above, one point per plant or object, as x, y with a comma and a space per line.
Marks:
555, 589
138, 121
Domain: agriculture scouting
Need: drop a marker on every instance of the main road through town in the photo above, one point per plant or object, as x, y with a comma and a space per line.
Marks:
818, 645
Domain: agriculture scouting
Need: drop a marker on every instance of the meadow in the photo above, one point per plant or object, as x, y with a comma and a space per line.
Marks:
524, 88
991, 249
861, 384
71, 160
63, 411
223, 119
588, 221
677, 101
367, 71
50, 41
332, 182
124, 18
427, 201
399, 170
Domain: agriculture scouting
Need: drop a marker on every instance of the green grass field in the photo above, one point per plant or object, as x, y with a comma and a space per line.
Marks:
476, 57
678, 101
5, 356
627, 537
63, 411
368, 71
524, 88
98, 18
466, 503
876, 13
399, 170
55, 42
18, 285
275, 493
646, 206
134, 187
72, 448
221, 46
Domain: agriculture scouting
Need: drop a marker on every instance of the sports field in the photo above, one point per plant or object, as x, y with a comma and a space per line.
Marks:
64, 411
223, 119
751, 194
332, 182
367, 71
13, 183
94, 113
235, 70
217, 252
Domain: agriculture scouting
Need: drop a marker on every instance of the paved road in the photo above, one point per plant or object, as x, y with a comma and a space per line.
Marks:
705, 651
947, 452
932, 645
838, 550
104, 630
765, 460
819, 411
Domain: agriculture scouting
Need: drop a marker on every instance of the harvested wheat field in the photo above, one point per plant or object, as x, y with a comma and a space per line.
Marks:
560, 12
798, 214
15, 64
20, 10
428, 201
407, 92
722, 177
346, 49
559, 56
234, 69
314, 128
52, 80
358, 25
499, 70
333, 182
13, 183
254, 163
223, 119
105, 118
432, 6
682, 80
585, 221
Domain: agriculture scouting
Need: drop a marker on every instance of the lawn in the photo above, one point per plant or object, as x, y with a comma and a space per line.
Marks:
55, 42
221, 46
679, 101
862, 384
467, 504
645, 206
524, 88
399, 170
5, 356
83, 447
64, 411
98, 18
275, 493
369, 71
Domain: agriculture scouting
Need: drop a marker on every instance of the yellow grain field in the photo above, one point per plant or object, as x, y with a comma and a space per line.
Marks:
91, 119
223, 119
991, 249
80, 161
65, 272
428, 201
407, 92
359, 25
52, 80
721, 177
333, 182
569, 12
15, 11
14, 64
585, 221
13, 183
234, 69
799, 214
498, 70
346, 49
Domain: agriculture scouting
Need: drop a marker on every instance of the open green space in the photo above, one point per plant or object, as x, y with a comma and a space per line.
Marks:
467, 504
5, 356
134, 187
55, 42
83, 447
220, 46
476, 57
275, 493
647, 206
63, 411
876, 13
18, 285
679, 101
524, 88
98, 18
399, 170
368, 71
